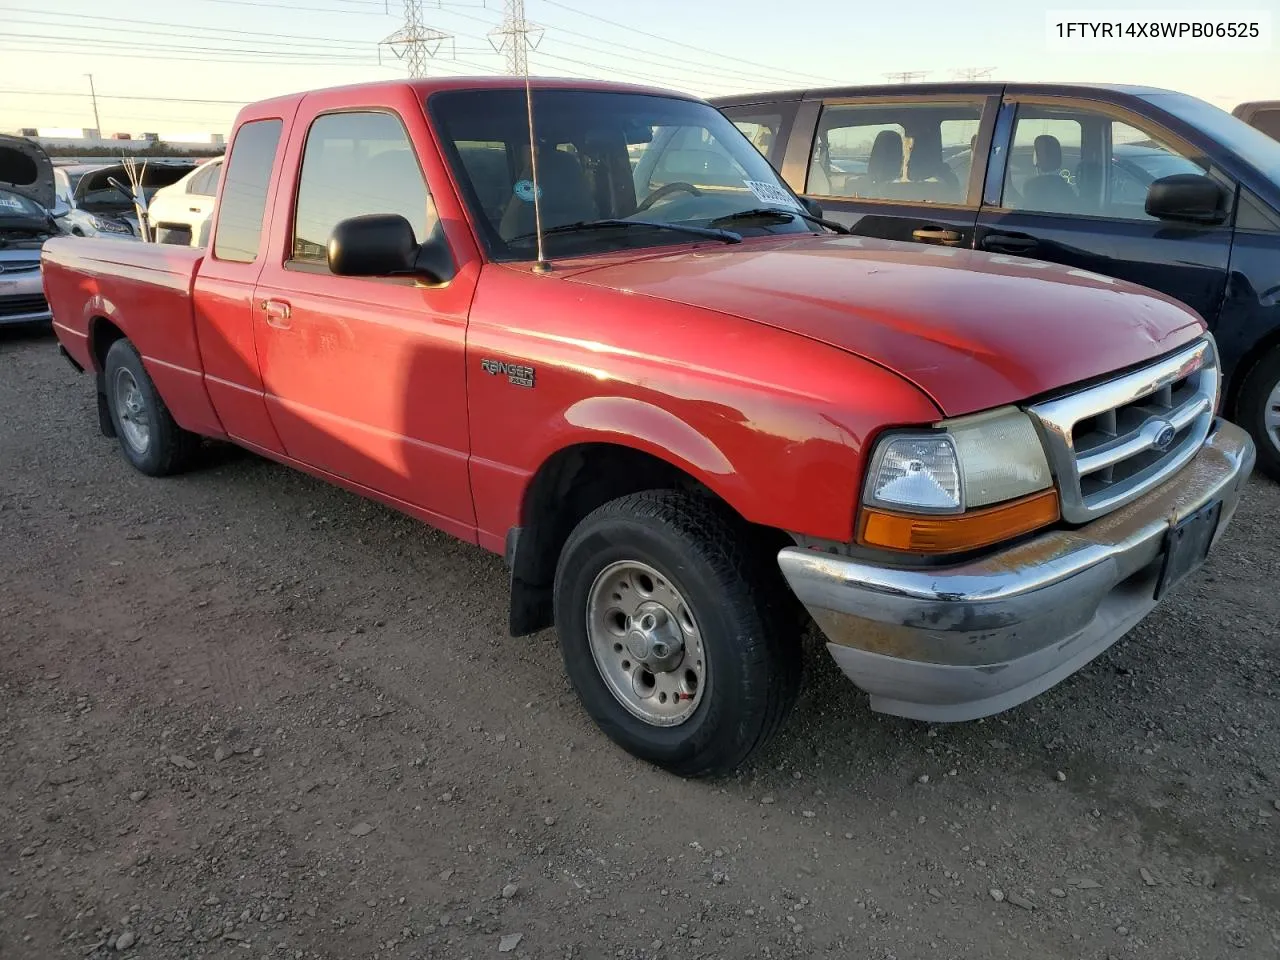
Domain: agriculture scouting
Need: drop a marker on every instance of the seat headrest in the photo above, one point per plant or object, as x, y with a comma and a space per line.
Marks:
885, 162
1047, 154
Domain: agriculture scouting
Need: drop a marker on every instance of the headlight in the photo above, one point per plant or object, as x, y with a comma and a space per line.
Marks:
968, 483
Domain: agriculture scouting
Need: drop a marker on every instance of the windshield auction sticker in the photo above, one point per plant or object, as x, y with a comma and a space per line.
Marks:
771, 194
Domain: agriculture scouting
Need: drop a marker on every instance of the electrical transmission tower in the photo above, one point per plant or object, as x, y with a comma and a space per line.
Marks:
907, 76
973, 73
516, 37
415, 43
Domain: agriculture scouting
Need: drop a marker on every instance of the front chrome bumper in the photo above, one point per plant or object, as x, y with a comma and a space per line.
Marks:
957, 643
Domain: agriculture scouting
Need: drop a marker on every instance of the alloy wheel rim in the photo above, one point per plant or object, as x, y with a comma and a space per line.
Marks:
646, 643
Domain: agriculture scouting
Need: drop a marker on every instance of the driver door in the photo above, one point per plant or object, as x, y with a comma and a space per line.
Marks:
1068, 182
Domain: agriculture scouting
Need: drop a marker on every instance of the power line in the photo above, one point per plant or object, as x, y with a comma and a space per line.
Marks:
64, 49
679, 43
108, 96
192, 32
112, 44
554, 35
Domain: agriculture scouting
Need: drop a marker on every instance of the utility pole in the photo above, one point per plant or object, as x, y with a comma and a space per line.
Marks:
907, 76
515, 38
94, 95
415, 43
973, 73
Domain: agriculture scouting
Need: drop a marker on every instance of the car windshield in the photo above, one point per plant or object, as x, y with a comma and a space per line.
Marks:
1252, 146
659, 161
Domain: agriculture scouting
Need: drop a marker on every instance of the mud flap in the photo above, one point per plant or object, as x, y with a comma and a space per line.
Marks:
105, 423
531, 604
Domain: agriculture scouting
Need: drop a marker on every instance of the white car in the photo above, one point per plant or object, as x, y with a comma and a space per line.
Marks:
180, 212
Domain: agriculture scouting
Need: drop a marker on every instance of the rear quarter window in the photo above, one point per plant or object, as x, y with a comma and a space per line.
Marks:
244, 192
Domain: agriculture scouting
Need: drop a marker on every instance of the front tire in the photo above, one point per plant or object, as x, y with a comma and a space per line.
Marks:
1258, 411
149, 437
674, 632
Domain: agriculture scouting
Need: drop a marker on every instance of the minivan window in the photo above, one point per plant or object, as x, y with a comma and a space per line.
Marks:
244, 195
1081, 161
604, 156
355, 164
915, 152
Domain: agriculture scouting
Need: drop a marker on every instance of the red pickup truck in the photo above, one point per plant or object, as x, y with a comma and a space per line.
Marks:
611, 344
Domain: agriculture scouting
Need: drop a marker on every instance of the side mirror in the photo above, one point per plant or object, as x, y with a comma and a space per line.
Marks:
814, 208
1190, 197
383, 245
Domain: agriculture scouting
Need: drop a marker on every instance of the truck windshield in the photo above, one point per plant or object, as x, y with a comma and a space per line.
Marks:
603, 156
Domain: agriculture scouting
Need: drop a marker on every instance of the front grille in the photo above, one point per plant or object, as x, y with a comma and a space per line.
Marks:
18, 306
1110, 443
18, 266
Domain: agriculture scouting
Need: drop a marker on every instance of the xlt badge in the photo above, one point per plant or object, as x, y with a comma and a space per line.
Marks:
520, 374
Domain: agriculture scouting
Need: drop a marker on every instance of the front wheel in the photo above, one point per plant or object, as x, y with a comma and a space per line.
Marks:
1258, 411
673, 633
149, 437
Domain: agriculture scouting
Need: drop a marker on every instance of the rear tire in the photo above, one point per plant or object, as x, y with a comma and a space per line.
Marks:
732, 654
149, 437
1258, 411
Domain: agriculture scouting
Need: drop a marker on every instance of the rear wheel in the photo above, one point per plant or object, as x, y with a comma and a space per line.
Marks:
674, 634
1258, 411
149, 437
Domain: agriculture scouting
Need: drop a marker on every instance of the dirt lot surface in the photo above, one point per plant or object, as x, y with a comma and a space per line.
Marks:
245, 714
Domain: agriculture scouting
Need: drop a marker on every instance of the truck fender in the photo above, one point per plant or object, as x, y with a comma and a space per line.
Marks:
652, 428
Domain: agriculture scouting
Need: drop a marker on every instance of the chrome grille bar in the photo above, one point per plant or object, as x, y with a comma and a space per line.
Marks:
1110, 443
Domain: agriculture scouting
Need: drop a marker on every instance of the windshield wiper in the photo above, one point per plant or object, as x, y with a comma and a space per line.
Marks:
757, 213
726, 236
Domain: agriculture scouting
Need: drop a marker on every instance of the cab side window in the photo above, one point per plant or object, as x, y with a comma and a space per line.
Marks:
356, 164
1085, 163
914, 152
244, 198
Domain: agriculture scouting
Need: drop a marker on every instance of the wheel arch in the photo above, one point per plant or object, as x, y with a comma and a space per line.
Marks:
572, 482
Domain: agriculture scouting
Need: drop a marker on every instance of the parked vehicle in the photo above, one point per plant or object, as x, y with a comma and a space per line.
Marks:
26, 199
1264, 115
674, 400
1131, 182
180, 212
95, 208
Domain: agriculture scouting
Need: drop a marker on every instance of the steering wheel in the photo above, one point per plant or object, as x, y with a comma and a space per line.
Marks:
665, 191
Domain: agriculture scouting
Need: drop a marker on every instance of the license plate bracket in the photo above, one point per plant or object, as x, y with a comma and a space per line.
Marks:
1187, 545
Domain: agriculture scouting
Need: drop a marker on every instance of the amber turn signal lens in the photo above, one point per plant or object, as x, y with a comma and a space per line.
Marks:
953, 533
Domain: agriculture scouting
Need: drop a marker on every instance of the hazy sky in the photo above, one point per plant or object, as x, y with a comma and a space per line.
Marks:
242, 50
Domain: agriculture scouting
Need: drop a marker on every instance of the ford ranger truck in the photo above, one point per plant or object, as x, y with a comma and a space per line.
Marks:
606, 341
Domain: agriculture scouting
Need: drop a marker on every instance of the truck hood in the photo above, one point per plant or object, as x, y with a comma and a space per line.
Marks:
25, 169
970, 329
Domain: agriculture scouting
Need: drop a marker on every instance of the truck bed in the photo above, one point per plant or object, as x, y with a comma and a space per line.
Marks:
144, 290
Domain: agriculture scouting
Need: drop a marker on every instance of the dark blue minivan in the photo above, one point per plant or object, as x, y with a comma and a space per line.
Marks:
1133, 182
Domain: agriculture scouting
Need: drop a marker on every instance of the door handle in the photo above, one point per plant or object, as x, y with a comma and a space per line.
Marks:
948, 238
193, 209
1007, 243
278, 313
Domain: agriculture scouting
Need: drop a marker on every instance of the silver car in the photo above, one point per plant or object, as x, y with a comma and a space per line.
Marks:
26, 220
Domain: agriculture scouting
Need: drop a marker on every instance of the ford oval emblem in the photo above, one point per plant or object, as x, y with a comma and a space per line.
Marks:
1165, 433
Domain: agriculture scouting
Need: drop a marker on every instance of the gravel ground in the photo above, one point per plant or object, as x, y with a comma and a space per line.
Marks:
244, 713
